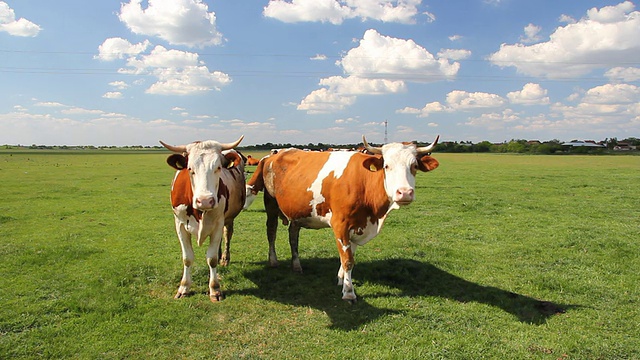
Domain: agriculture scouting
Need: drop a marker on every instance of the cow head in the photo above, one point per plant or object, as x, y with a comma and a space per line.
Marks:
400, 162
204, 160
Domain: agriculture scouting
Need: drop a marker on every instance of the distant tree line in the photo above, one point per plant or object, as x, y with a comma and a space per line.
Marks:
519, 146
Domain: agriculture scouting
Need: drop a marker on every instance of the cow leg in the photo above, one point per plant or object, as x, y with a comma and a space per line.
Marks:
187, 259
225, 256
271, 206
215, 294
294, 234
346, 249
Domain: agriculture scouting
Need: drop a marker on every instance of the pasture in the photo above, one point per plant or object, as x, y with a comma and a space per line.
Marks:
500, 256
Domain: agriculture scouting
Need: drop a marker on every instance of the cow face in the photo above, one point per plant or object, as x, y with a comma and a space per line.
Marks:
204, 161
401, 162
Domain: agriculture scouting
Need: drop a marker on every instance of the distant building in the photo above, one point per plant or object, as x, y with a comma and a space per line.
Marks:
622, 146
588, 143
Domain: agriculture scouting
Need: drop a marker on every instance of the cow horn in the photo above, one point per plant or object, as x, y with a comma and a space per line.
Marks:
230, 146
428, 149
371, 149
176, 149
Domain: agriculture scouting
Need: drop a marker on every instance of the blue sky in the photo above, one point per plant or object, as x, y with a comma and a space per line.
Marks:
309, 71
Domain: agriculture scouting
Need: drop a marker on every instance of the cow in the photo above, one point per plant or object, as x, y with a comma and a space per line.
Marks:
252, 161
350, 192
207, 193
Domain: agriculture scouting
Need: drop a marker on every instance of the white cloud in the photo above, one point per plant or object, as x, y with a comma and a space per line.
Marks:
621, 74
180, 22
494, 120
379, 65
603, 110
566, 19
325, 101
20, 27
112, 95
335, 11
457, 100
454, 54
75, 110
186, 81
177, 72
462, 100
319, 57
120, 85
353, 85
531, 94
531, 34
603, 36
430, 16
384, 56
119, 48
49, 104
455, 37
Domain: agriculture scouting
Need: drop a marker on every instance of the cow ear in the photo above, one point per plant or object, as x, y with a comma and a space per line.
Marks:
427, 163
177, 161
373, 163
233, 159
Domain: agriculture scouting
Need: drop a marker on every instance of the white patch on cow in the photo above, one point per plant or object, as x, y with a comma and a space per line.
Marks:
399, 160
345, 247
189, 222
337, 162
205, 162
363, 235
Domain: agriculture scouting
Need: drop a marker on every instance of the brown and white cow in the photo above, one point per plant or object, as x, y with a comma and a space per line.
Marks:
207, 193
252, 161
350, 192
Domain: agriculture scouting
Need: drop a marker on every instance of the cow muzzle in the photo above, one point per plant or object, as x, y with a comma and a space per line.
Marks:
404, 196
204, 203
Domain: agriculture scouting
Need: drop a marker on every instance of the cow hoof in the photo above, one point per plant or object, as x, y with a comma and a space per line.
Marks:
350, 297
223, 262
216, 297
297, 269
181, 295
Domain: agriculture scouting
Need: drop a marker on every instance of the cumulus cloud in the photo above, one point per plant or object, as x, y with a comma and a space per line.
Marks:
19, 27
319, 57
120, 85
337, 11
621, 74
458, 100
531, 34
180, 22
325, 101
380, 65
177, 72
112, 95
384, 56
603, 36
531, 94
454, 54
186, 81
119, 48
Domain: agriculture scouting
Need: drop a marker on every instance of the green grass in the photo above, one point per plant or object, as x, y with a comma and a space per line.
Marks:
501, 256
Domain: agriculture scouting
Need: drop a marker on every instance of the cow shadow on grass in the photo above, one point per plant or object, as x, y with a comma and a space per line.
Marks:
317, 288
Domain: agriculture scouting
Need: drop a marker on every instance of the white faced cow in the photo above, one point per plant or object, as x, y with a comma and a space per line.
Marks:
207, 193
350, 192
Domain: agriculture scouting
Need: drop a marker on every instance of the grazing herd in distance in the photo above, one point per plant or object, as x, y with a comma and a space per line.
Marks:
351, 192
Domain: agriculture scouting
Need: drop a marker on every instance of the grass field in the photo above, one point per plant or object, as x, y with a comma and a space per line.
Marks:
501, 256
